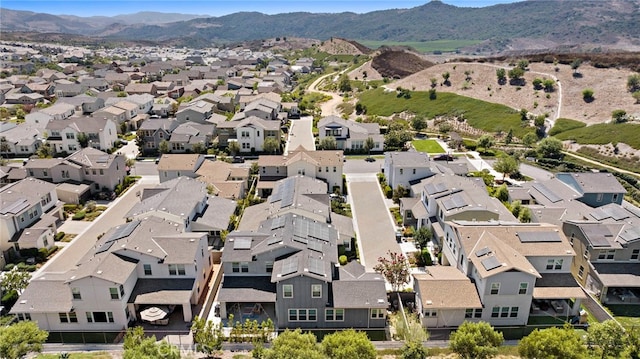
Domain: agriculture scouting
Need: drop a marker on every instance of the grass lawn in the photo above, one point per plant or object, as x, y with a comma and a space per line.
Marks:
487, 116
429, 146
423, 46
96, 355
565, 124
604, 133
628, 315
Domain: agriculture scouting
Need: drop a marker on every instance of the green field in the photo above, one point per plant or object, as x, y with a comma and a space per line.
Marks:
604, 133
483, 115
565, 124
423, 46
428, 146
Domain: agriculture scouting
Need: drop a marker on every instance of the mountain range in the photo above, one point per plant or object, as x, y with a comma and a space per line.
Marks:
521, 25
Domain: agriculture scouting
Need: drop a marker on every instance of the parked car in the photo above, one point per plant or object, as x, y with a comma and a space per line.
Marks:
443, 157
237, 159
370, 159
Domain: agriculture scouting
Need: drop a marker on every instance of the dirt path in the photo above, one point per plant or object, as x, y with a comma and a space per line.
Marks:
601, 164
329, 107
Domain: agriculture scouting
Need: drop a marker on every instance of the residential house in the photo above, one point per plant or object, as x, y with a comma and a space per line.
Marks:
324, 165
173, 166
68, 90
21, 140
17, 98
263, 108
63, 135
196, 112
250, 133
98, 84
224, 179
187, 134
153, 131
350, 135
113, 113
88, 165
404, 168
135, 88
59, 111
83, 103
595, 189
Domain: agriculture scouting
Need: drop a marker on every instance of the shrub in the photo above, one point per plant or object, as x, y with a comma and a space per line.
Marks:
79, 216
342, 260
59, 236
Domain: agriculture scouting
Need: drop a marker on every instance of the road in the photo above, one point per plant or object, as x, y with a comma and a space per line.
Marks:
83, 242
329, 107
301, 134
636, 174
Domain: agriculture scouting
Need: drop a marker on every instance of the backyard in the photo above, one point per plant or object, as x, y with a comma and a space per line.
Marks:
428, 146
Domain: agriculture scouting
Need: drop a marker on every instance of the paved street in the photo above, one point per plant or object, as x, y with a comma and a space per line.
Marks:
300, 134
373, 223
75, 250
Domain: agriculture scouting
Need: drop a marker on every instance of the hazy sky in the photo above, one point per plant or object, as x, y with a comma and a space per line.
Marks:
218, 7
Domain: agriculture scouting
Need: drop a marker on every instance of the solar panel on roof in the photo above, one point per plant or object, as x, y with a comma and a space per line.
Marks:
316, 266
242, 243
277, 223
319, 231
287, 199
274, 240
435, 188
482, 252
300, 240
123, 231
597, 234
289, 266
599, 214
104, 247
546, 192
301, 228
616, 212
491, 263
531, 237
102, 159
315, 246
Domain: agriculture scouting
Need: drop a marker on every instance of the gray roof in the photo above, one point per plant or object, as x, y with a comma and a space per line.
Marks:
44, 295
92, 158
154, 124
618, 274
247, 289
359, 289
592, 182
162, 291
407, 159
17, 196
218, 212
178, 196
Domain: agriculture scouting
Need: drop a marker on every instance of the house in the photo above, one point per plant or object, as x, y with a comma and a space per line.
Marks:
59, 111
141, 88
21, 140
153, 131
250, 133
225, 180
607, 242
287, 271
68, 90
132, 266
144, 102
83, 103
324, 165
188, 134
68, 135
113, 113
87, 165
595, 189
173, 166
197, 112
98, 84
17, 98
404, 168
350, 135
29, 214
263, 108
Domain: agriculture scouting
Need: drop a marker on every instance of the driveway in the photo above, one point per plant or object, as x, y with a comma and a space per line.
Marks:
372, 221
301, 134
81, 244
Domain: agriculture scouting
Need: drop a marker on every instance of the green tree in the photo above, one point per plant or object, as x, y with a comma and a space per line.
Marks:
445, 77
137, 346
633, 343
348, 344
506, 165
207, 336
537, 83
587, 95
524, 114
633, 83
328, 143
502, 193
606, 339
550, 147
516, 74
395, 270
271, 145
344, 85
422, 236
396, 139
529, 139
501, 74
20, 114
636, 96
516, 208
549, 85
509, 138
475, 340
619, 116
398, 193
525, 215
19, 339
45, 151
419, 123
83, 139
486, 142
434, 82
575, 65
552, 343
233, 148
163, 147
433, 94
369, 144
523, 64
198, 147
413, 350
293, 344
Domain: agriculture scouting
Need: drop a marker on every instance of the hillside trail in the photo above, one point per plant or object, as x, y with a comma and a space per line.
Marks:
330, 108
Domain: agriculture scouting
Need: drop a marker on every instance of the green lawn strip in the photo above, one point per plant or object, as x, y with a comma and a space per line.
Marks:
423, 46
428, 146
603, 133
565, 124
626, 314
483, 115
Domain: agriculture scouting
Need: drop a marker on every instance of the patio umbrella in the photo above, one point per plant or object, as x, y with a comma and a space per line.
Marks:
154, 313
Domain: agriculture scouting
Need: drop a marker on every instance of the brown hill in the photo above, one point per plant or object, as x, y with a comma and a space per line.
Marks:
338, 46
398, 62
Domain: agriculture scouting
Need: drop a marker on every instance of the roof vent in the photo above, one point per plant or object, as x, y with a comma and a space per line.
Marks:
429, 302
99, 272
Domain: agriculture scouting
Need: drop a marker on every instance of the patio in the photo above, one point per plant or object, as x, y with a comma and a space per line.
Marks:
259, 312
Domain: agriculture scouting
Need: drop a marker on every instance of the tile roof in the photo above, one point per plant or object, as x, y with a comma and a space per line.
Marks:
444, 287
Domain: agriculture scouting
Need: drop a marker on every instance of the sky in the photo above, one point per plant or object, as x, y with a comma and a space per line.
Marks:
220, 7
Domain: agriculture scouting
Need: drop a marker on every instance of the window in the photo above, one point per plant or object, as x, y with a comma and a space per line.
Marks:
377, 313
287, 291
430, 313
514, 312
176, 269
268, 267
101, 172
70, 136
45, 173
599, 198
114, 293
121, 291
606, 253
615, 197
237, 267
147, 269
93, 172
303, 315
523, 288
401, 171
100, 317
24, 316
414, 171
473, 313
586, 254
581, 272
635, 254
554, 264
68, 317
334, 315
495, 288
334, 169
316, 291
76, 293
495, 312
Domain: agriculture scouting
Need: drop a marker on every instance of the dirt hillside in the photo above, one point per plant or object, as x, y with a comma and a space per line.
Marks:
398, 63
338, 46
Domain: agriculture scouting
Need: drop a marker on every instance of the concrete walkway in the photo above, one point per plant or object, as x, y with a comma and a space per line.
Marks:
301, 134
374, 226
